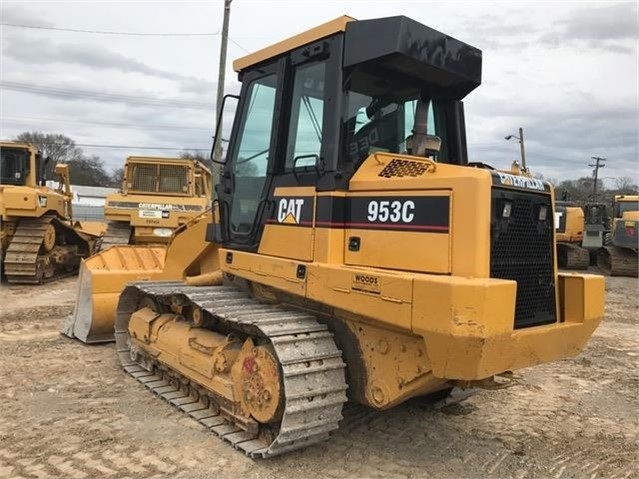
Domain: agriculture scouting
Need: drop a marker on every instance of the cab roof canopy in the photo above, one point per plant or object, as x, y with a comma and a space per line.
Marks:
393, 46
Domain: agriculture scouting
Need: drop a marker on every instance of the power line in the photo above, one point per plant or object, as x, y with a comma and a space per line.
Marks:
104, 97
124, 147
238, 45
9, 119
137, 34
129, 147
103, 32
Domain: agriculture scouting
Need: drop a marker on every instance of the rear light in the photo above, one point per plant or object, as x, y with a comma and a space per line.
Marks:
630, 230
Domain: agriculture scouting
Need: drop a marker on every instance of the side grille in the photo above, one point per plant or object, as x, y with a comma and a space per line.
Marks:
522, 250
401, 168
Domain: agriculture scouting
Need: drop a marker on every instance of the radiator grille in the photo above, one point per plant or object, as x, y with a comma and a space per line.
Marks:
401, 168
173, 179
522, 250
145, 178
160, 178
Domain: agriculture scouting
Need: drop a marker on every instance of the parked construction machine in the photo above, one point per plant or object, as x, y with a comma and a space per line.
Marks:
596, 222
619, 256
570, 230
39, 240
353, 251
157, 196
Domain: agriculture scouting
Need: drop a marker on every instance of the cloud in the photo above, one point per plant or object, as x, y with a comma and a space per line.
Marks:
613, 22
13, 14
490, 32
573, 102
39, 52
42, 52
197, 86
613, 28
559, 138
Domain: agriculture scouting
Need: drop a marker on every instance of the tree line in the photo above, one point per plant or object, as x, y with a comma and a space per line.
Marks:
582, 190
85, 170
91, 171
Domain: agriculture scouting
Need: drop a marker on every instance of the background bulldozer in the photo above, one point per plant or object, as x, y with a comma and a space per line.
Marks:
569, 230
354, 252
579, 232
619, 256
158, 195
39, 241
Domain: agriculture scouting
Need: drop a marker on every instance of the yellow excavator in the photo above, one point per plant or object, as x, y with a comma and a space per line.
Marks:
353, 252
619, 256
39, 240
157, 196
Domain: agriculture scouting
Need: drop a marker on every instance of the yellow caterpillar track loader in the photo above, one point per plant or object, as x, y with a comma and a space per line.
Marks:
158, 195
619, 256
39, 242
353, 252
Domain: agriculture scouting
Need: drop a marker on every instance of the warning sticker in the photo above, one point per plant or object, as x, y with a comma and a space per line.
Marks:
150, 214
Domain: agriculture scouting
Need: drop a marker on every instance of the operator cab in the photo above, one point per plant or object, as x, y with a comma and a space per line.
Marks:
624, 204
14, 166
312, 108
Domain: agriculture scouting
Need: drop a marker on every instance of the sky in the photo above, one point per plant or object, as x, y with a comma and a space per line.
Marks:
565, 72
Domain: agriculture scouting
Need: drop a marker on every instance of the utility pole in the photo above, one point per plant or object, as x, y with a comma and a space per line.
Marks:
521, 147
598, 164
220, 82
522, 151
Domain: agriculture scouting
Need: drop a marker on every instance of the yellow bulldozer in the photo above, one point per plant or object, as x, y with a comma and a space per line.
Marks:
157, 196
619, 256
579, 232
39, 240
569, 228
353, 252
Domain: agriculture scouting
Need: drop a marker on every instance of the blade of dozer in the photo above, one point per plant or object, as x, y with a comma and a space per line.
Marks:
104, 275
101, 279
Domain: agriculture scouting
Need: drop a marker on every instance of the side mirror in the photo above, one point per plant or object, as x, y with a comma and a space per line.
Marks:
217, 138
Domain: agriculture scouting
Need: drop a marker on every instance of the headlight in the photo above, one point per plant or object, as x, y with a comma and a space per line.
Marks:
507, 209
543, 213
163, 232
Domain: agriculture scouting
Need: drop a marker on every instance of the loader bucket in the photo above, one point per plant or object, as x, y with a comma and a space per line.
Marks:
187, 256
102, 277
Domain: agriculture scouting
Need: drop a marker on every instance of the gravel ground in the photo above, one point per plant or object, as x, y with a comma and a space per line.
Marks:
69, 411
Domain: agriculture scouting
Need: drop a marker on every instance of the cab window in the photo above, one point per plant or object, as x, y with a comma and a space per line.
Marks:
307, 113
250, 161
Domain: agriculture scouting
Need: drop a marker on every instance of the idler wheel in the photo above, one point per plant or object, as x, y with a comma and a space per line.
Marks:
258, 375
48, 242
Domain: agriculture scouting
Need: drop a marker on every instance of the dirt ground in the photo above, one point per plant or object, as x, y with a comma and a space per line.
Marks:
67, 410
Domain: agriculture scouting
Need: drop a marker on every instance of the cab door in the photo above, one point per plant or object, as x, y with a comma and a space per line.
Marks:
289, 229
277, 152
248, 172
